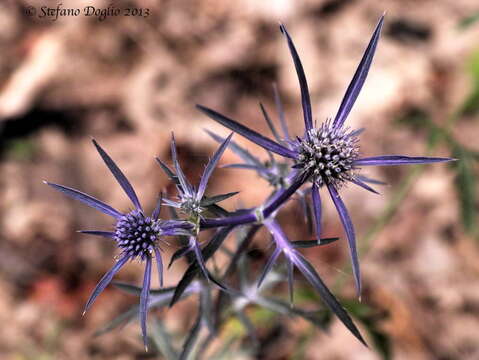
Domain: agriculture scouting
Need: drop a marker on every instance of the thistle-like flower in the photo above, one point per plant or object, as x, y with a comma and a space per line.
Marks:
138, 236
328, 155
193, 202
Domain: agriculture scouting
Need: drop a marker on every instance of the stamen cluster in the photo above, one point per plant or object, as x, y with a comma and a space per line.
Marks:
190, 206
137, 234
328, 153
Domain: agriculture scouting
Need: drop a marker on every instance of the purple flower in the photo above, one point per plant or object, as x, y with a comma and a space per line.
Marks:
328, 155
137, 235
191, 201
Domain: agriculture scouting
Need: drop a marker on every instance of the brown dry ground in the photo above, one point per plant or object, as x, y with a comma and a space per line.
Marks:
130, 81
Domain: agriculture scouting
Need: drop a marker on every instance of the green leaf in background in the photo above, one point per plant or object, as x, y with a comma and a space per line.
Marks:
471, 104
415, 118
369, 318
466, 181
468, 21
20, 149
163, 341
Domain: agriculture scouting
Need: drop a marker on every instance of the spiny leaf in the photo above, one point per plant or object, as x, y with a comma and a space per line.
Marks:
193, 269
206, 201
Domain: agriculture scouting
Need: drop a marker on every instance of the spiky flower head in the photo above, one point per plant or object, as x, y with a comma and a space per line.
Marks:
328, 154
137, 236
191, 201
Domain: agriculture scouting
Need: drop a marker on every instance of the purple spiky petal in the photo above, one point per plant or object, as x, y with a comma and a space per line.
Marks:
359, 78
269, 265
105, 280
107, 234
270, 123
349, 229
210, 167
317, 211
362, 184
387, 160
329, 299
119, 176
248, 133
244, 154
312, 276
159, 265
87, 199
199, 257
290, 270
168, 171
305, 99
145, 292
280, 111
185, 185
369, 180
156, 213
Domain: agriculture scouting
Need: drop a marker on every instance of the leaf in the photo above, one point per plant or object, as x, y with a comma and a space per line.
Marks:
468, 21
284, 308
158, 299
328, 298
312, 243
192, 339
465, 182
269, 266
370, 317
178, 254
136, 290
171, 175
123, 318
270, 124
163, 341
193, 269
244, 154
206, 201
249, 327
206, 307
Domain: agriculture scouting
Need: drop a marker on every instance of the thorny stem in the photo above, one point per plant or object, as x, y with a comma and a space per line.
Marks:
261, 213
272, 204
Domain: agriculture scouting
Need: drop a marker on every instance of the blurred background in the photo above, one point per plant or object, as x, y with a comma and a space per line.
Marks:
128, 81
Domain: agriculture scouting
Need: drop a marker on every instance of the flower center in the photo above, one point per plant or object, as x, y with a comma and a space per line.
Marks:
190, 206
137, 234
328, 154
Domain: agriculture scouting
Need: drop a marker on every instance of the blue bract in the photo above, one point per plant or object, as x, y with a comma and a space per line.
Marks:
137, 235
